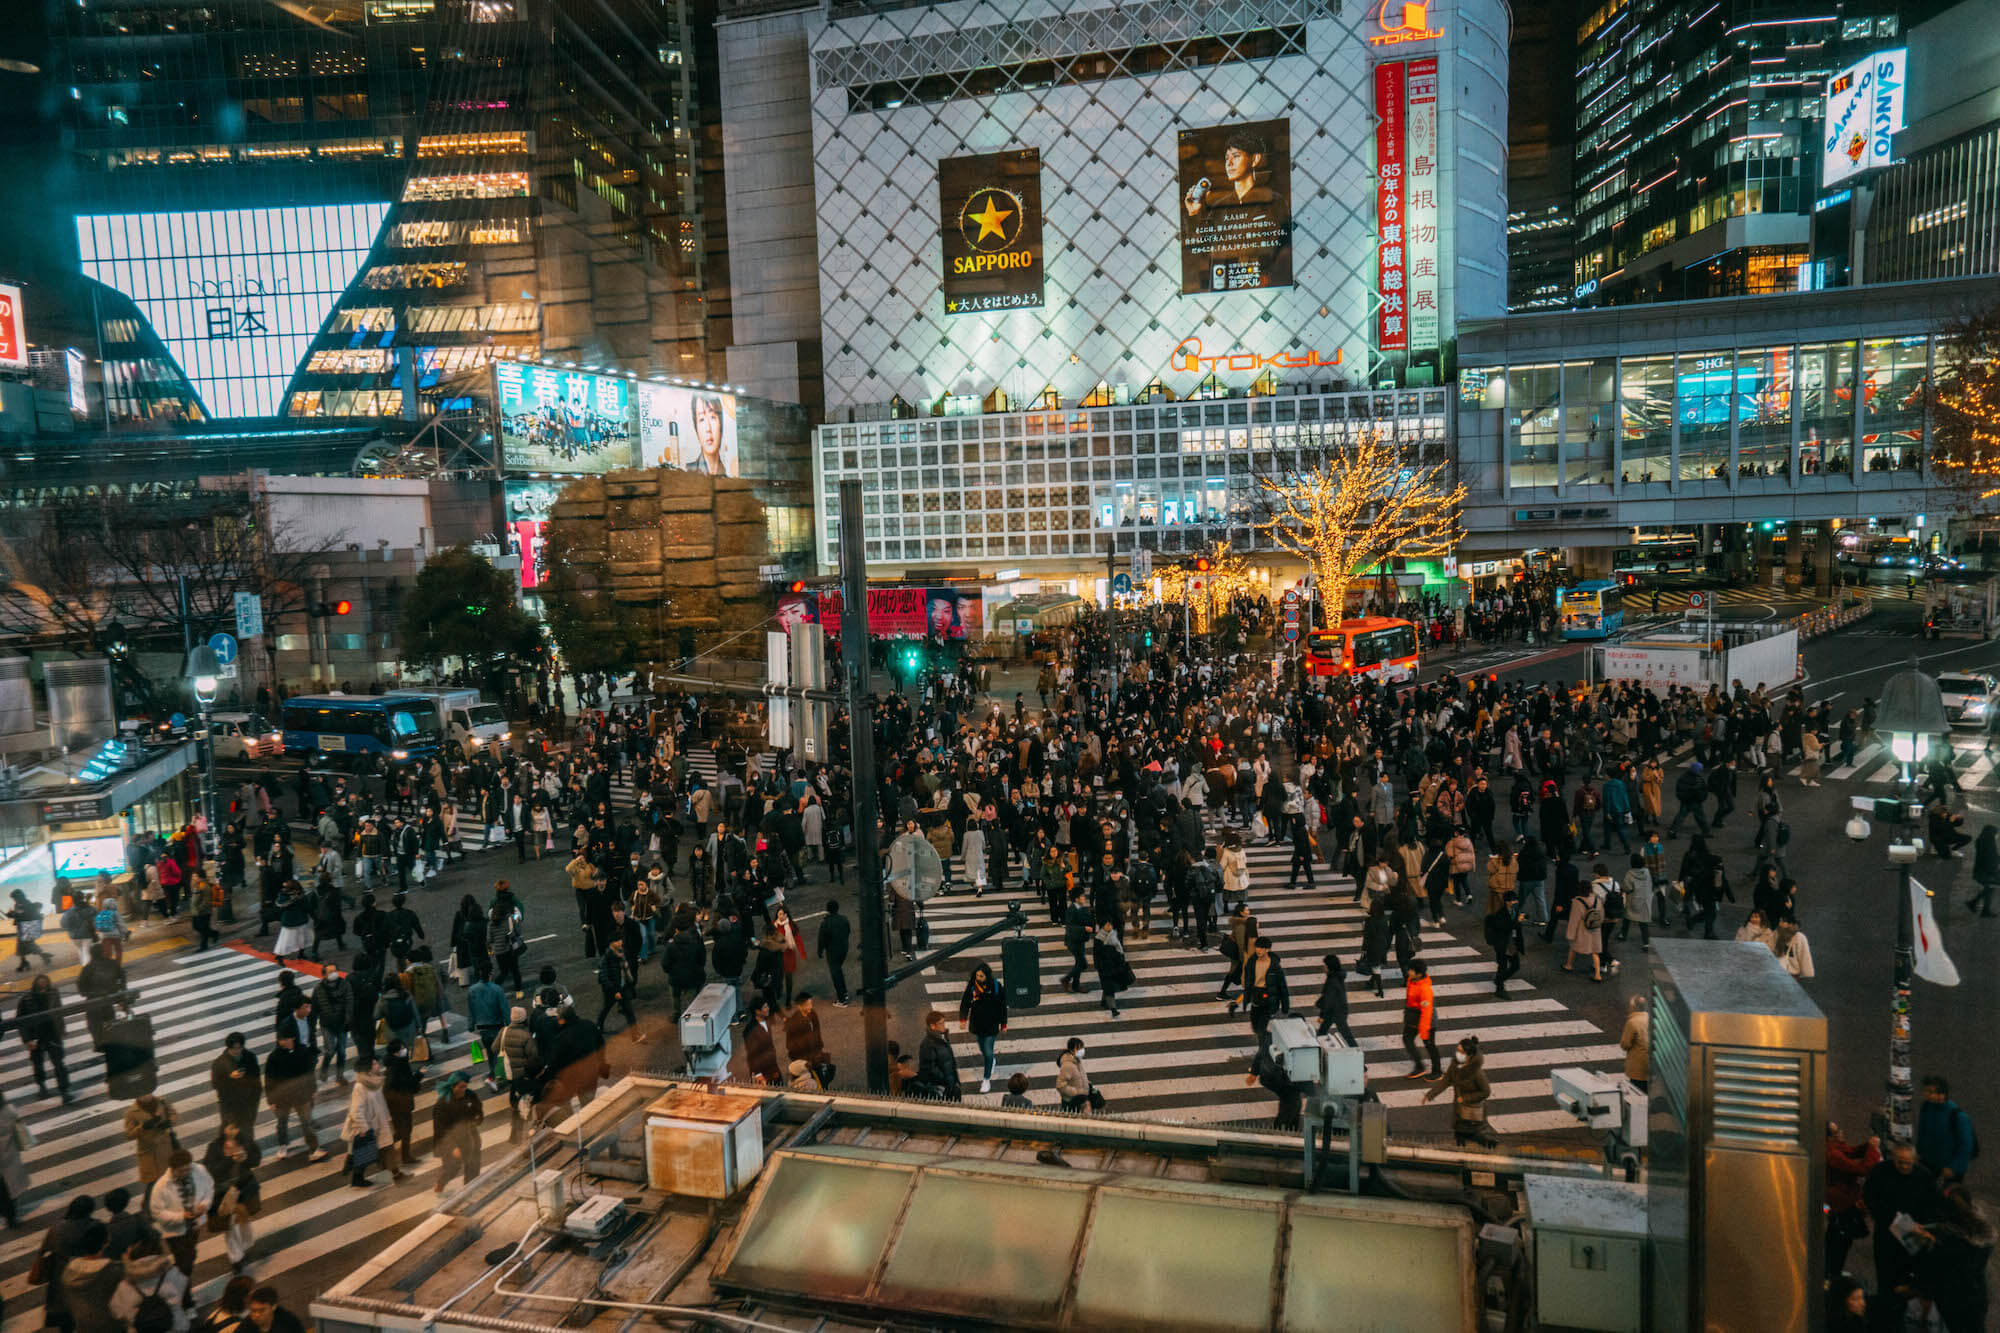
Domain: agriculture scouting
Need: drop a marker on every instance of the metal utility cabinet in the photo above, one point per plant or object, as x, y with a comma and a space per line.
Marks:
1590, 1253
1736, 1116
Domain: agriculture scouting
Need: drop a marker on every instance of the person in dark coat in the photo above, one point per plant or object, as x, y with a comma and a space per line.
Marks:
730, 947
760, 1050
937, 1067
61, 1243
575, 1059
804, 1041
1899, 1184
835, 935
685, 961
1332, 1003
982, 1010
1114, 972
238, 1083
39, 1023
455, 1124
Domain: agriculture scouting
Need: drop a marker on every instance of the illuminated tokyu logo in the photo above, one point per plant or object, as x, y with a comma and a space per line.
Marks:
1403, 21
1188, 356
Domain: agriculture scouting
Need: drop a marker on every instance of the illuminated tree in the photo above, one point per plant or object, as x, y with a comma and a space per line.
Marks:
1356, 505
1965, 406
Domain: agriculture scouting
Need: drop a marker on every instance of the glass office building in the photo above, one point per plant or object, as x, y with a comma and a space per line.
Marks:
1697, 141
344, 210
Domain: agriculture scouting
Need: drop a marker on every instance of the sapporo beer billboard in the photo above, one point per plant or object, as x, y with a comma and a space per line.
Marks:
990, 219
1235, 206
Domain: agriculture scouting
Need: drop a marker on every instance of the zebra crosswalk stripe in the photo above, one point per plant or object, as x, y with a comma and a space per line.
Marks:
1178, 1054
310, 1212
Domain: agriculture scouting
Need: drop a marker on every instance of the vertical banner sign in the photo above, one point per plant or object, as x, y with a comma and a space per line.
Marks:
13, 328
1420, 205
1391, 327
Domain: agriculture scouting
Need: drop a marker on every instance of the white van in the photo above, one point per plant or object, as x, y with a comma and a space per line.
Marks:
468, 724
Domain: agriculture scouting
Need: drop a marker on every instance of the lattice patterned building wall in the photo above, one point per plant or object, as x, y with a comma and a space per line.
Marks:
1106, 96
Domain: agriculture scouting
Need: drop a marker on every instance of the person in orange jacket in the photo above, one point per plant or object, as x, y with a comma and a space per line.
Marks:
1420, 1019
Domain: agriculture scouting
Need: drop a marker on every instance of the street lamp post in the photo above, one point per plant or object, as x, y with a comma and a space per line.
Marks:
1910, 713
204, 671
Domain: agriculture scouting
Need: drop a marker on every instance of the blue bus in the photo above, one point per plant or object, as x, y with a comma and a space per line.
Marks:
1590, 610
396, 726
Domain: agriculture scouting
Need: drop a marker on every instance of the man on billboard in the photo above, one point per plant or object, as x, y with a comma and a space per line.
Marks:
1236, 229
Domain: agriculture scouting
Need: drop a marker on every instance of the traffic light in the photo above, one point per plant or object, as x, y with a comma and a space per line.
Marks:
339, 608
912, 660
798, 585
1201, 564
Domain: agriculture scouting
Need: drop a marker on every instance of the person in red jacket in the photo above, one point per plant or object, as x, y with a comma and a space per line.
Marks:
1420, 1019
1846, 1220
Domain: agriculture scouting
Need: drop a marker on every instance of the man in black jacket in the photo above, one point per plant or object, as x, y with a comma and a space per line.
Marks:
1265, 994
760, 1051
685, 961
937, 1067
238, 1084
333, 1013
835, 934
288, 1082
614, 979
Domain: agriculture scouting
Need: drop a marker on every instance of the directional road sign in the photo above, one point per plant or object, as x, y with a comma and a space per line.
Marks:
225, 647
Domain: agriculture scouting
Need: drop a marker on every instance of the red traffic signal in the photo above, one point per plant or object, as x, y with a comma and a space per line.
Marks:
342, 607
1201, 564
798, 585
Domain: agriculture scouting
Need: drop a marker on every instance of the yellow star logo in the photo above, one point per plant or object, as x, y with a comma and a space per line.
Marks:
990, 218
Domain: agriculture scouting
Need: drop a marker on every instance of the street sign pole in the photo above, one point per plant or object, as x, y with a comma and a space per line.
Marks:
861, 752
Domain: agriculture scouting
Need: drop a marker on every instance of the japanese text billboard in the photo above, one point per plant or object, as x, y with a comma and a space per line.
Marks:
1392, 333
562, 420
1420, 206
990, 220
1235, 206
13, 328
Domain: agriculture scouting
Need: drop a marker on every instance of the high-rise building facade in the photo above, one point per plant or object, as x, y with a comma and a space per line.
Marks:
1697, 154
347, 209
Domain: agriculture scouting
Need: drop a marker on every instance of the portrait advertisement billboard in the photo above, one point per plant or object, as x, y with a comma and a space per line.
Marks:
990, 226
941, 614
687, 428
562, 420
1235, 206
529, 504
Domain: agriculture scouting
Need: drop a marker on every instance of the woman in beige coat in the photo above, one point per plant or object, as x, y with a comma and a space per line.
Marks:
149, 1123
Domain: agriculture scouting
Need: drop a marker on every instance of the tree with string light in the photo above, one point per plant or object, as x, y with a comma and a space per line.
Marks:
1351, 506
1964, 402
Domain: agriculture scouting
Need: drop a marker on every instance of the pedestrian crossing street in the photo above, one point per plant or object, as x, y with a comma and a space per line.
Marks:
311, 1215
1178, 1054
475, 835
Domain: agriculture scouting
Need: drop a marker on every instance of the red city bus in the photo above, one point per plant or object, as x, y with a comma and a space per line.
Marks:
1384, 647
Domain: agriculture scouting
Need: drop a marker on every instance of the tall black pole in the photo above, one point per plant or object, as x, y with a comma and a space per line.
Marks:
1902, 1087
861, 752
1111, 612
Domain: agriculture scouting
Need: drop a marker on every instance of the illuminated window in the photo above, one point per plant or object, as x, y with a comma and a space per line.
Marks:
363, 319
351, 361
488, 185
388, 277
453, 145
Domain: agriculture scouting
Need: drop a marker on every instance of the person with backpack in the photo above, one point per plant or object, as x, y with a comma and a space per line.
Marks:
396, 1015
26, 914
1585, 931
150, 1291
1946, 1141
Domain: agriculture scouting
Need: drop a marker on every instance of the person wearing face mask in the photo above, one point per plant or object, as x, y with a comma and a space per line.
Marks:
1073, 1081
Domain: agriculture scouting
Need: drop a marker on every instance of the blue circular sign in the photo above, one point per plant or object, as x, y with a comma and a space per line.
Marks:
178, 720
1122, 584
225, 647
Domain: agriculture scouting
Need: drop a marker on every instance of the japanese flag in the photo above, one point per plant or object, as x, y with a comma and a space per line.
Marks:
1932, 964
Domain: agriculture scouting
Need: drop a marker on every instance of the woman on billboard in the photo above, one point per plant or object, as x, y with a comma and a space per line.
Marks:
714, 437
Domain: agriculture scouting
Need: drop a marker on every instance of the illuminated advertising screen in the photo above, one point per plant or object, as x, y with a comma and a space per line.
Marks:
82, 858
1235, 206
236, 295
562, 420
940, 614
990, 217
691, 429
529, 504
1420, 228
1864, 110
13, 328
